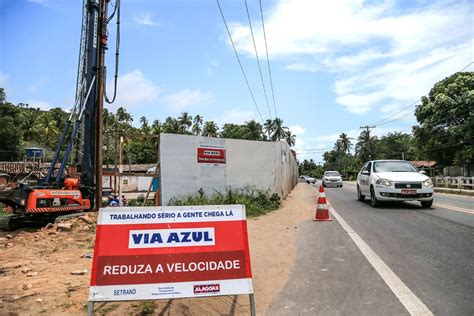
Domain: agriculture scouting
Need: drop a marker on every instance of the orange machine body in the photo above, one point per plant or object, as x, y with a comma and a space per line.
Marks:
57, 200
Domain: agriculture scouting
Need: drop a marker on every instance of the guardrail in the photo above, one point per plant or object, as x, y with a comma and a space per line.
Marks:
454, 182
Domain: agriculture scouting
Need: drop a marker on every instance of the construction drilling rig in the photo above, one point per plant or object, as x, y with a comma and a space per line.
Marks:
57, 194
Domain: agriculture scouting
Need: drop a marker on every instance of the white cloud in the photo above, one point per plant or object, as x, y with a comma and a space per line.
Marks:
145, 19
235, 116
43, 105
186, 98
297, 130
380, 52
134, 90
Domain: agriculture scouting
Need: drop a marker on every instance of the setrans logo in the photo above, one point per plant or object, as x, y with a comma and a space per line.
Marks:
179, 237
207, 288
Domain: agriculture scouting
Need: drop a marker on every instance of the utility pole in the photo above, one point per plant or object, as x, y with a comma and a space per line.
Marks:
100, 104
120, 171
367, 127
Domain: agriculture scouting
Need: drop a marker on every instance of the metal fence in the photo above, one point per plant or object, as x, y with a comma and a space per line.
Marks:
454, 182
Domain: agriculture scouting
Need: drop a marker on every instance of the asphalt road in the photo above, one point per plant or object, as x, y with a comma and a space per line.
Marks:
431, 251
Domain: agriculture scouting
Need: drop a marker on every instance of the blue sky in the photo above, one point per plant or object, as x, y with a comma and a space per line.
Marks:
336, 65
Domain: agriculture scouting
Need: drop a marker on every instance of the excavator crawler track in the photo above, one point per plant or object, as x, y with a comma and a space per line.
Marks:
11, 222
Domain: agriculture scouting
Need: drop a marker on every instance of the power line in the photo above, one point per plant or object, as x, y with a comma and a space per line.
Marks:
258, 60
394, 114
388, 119
268, 59
468, 142
240, 63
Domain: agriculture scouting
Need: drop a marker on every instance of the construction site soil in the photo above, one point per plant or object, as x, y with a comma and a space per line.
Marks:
47, 270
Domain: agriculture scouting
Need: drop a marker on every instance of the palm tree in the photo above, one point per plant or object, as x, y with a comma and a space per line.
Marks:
185, 121
363, 147
123, 116
268, 126
144, 122
253, 130
48, 129
290, 138
279, 131
156, 127
210, 129
197, 127
345, 143
171, 126
30, 124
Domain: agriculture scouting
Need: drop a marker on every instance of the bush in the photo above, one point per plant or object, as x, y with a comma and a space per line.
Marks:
257, 202
139, 201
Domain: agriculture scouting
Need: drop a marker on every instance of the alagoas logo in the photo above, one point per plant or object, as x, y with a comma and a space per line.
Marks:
180, 237
207, 288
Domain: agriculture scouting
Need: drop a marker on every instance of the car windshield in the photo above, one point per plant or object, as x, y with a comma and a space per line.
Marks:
393, 166
332, 174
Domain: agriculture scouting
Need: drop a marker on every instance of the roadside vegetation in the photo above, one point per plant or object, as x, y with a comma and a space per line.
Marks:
257, 202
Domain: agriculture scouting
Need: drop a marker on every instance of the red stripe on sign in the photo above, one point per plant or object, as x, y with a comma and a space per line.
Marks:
185, 267
114, 240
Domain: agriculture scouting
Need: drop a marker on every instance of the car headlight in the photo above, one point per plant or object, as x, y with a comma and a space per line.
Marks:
384, 182
428, 183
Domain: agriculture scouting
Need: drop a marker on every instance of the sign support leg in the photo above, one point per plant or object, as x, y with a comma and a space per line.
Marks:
90, 308
253, 310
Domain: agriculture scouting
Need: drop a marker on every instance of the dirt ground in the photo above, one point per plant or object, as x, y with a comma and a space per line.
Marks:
36, 267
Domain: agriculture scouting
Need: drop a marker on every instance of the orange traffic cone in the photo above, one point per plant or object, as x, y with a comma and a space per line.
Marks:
322, 210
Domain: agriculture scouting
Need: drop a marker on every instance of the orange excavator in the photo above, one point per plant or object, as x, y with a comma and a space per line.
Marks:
57, 194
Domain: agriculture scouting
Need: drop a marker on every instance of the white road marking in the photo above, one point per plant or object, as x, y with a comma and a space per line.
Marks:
411, 302
455, 208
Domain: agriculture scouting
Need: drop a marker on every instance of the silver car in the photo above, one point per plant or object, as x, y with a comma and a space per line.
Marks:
332, 179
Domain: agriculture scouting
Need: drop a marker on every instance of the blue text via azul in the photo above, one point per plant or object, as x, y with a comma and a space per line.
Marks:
180, 237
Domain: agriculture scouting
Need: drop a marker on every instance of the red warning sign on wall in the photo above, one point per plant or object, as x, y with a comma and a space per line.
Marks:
211, 155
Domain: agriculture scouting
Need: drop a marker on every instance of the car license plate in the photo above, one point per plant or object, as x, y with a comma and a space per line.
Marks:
405, 191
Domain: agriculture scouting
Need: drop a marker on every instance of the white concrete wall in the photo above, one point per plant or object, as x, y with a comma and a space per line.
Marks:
129, 183
264, 165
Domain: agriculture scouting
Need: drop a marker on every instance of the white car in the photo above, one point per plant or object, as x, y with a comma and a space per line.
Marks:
393, 180
332, 179
308, 179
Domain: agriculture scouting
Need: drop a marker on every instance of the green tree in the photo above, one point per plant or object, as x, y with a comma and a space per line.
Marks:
268, 126
49, 131
344, 143
278, 130
252, 130
170, 125
395, 146
197, 126
59, 117
3, 97
365, 148
185, 121
233, 131
290, 138
29, 125
210, 129
10, 132
446, 118
123, 117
